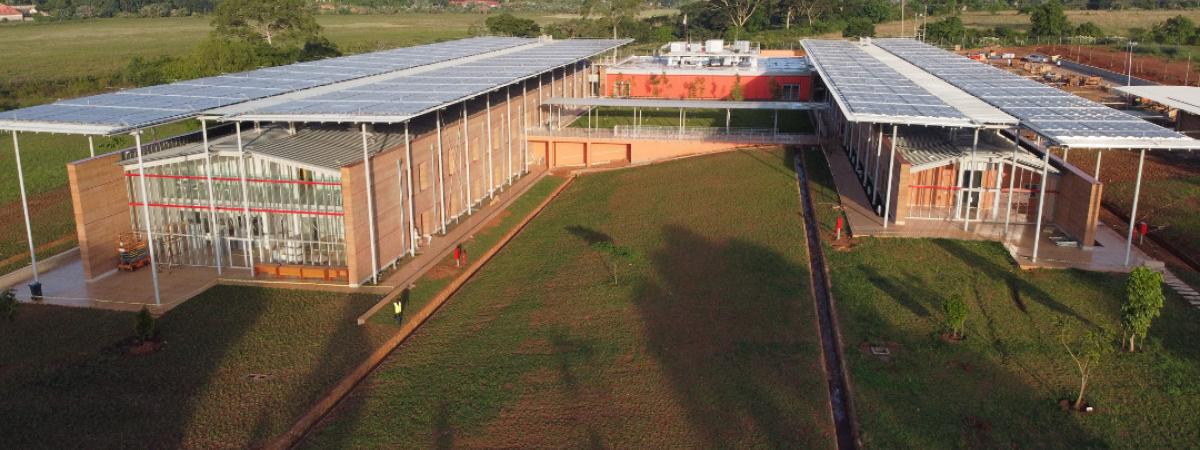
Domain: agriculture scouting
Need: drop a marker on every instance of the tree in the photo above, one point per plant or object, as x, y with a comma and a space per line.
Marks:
859, 27
1178, 30
509, 25
1086, 353
143, 326
1143, 302
289, 22
1088, 29
614, 256
950, 29
613, 11
1048, 19
955, 310
738, 11
737, 93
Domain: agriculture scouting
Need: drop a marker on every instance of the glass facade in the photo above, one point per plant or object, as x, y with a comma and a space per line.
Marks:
295, 214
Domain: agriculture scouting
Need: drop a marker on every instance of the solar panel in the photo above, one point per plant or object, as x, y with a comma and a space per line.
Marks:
410, 95
137, 108
1052, 112
864, 85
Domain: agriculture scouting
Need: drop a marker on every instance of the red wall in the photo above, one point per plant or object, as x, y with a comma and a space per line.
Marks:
711, 86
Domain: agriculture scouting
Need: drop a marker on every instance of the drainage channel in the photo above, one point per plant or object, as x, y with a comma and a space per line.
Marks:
831, 348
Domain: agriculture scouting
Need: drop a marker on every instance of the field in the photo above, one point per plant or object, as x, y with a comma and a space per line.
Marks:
608, 117
1113, 22
706, 340
240, 364
1000, 386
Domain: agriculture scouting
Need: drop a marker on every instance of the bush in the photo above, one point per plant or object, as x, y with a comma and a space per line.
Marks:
509, 25
859, 27
144, 327
955, 310
8, 305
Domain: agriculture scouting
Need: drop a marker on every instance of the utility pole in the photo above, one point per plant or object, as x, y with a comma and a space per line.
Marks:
1129, 73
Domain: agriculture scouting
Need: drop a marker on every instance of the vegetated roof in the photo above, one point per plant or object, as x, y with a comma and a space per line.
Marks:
680, 103
132, 109
1060, 116
867, 90
398, 98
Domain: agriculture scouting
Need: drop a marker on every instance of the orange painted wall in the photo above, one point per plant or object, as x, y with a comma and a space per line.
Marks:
710, 86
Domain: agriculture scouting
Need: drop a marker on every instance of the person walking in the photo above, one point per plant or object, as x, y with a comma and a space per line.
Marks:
458, 253
398, 307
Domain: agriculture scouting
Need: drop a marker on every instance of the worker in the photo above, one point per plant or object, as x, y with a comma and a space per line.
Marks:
398, 306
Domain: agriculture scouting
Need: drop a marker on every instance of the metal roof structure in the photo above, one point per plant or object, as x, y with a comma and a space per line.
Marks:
867, 90
1183, 98
686, 104
1058, 115
928, 149
131, 109
400, 98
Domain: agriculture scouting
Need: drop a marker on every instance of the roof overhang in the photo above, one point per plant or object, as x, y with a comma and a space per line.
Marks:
1185, 98
678, 103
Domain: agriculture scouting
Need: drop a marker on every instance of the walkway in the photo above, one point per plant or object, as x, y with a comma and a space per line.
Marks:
1181, 288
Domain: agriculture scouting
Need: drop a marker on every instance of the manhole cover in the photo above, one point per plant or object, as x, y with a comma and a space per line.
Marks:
880, 350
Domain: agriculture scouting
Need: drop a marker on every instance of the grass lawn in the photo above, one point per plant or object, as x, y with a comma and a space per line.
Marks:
436, 279
608, 117
65, 384
1173, 202
999, 387
708, 340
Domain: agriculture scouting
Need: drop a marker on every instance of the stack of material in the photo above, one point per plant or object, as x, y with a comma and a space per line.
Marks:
131, 252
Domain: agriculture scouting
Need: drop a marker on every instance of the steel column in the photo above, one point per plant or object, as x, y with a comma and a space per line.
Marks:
137, 139
971, 182
1037, 231
878, 155
441, 175
1099, 154
467, 153
370, 208
245, 197
508, 129
212, 200
25, 208
1137, 192
887, 200
92, 146
491, 170
412, 210
1012, 178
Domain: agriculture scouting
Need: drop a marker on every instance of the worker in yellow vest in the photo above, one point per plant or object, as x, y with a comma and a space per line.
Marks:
398, 308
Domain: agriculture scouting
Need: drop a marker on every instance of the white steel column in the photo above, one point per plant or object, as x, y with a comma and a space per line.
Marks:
971, 183
1099, 154
1066, 154
490, 143
25, 209
525, 130
245, 198
1037, 229
467, 153
412, 210
1012, 178
1137, 191
878, 155
508, 129
370, 208
726, 120
212, 200
441, 176
887, 199
137, 139
92, 146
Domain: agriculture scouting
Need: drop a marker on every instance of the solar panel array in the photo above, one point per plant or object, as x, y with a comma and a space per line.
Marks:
137, 108
1052, 112
867, 86
411, 95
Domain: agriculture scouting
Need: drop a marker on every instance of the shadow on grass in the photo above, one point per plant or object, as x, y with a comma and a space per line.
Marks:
732, 324
590, 236
784, 168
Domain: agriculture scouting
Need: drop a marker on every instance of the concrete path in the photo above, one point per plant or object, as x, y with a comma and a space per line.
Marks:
1181, 288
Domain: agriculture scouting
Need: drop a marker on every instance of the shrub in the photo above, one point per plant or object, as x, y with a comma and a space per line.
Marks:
144, 327
8, 305
955, 310
509, 25
859, 27
1143, 302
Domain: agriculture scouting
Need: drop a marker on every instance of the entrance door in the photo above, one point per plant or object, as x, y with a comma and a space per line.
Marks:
970, 183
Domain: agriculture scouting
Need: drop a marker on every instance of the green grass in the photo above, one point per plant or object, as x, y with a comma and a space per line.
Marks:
1173, 202
428, 286
65, 384
608, 117
707, 341
999, 387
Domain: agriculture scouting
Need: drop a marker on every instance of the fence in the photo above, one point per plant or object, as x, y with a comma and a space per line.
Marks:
708, 134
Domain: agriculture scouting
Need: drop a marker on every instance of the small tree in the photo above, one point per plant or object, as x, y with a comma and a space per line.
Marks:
1048, 19
509, 25
859, 27
1086, 353
614, 256
955, 310
143, 327
1143, 302
8, 305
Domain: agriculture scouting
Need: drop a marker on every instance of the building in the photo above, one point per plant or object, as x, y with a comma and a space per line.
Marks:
324, 170
710, 70
938, 142
1182, 104
10, 14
